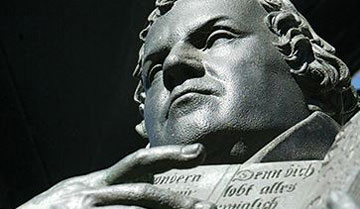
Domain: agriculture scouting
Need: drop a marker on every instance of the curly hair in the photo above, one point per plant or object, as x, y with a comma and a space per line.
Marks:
323, 77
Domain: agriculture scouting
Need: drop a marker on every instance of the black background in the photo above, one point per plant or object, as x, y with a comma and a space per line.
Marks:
66, 88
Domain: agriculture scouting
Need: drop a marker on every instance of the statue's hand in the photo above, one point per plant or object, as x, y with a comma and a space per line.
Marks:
119, 186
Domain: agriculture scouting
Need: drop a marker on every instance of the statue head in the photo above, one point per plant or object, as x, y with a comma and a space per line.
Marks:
233, 74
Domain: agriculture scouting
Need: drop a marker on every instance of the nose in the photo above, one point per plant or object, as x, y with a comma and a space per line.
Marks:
182, 63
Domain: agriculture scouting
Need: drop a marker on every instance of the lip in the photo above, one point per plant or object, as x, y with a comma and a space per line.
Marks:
177, 95
181, 91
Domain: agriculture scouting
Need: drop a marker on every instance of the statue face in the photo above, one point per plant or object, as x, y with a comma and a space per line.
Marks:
212, 75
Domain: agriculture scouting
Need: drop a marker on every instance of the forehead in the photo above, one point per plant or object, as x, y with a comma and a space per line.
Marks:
188, 14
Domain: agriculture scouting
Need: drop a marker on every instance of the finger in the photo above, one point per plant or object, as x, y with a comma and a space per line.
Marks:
154, 160
341, 200
147, 196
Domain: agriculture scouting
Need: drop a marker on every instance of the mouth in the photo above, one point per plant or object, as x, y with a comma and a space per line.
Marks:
187, 95
178, 95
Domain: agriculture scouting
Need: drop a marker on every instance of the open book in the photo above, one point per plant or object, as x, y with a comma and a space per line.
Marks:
278, 185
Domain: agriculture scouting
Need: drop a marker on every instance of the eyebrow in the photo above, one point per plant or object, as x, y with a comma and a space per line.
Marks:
196, 29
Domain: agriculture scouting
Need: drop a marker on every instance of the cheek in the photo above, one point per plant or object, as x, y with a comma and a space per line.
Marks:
151, 115
248, 62
154, 102
255, 75
238, 57
155, 107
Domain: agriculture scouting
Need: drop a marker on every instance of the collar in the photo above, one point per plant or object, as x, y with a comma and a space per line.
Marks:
310, 139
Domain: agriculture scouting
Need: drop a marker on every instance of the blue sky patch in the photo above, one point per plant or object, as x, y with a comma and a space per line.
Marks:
356, 81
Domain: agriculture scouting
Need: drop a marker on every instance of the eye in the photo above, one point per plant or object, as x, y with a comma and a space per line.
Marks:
219, 36
152, 72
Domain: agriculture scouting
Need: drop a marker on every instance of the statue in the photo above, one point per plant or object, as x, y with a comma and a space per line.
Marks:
249, 75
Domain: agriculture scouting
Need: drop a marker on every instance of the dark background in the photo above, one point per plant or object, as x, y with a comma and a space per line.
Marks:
66, 88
